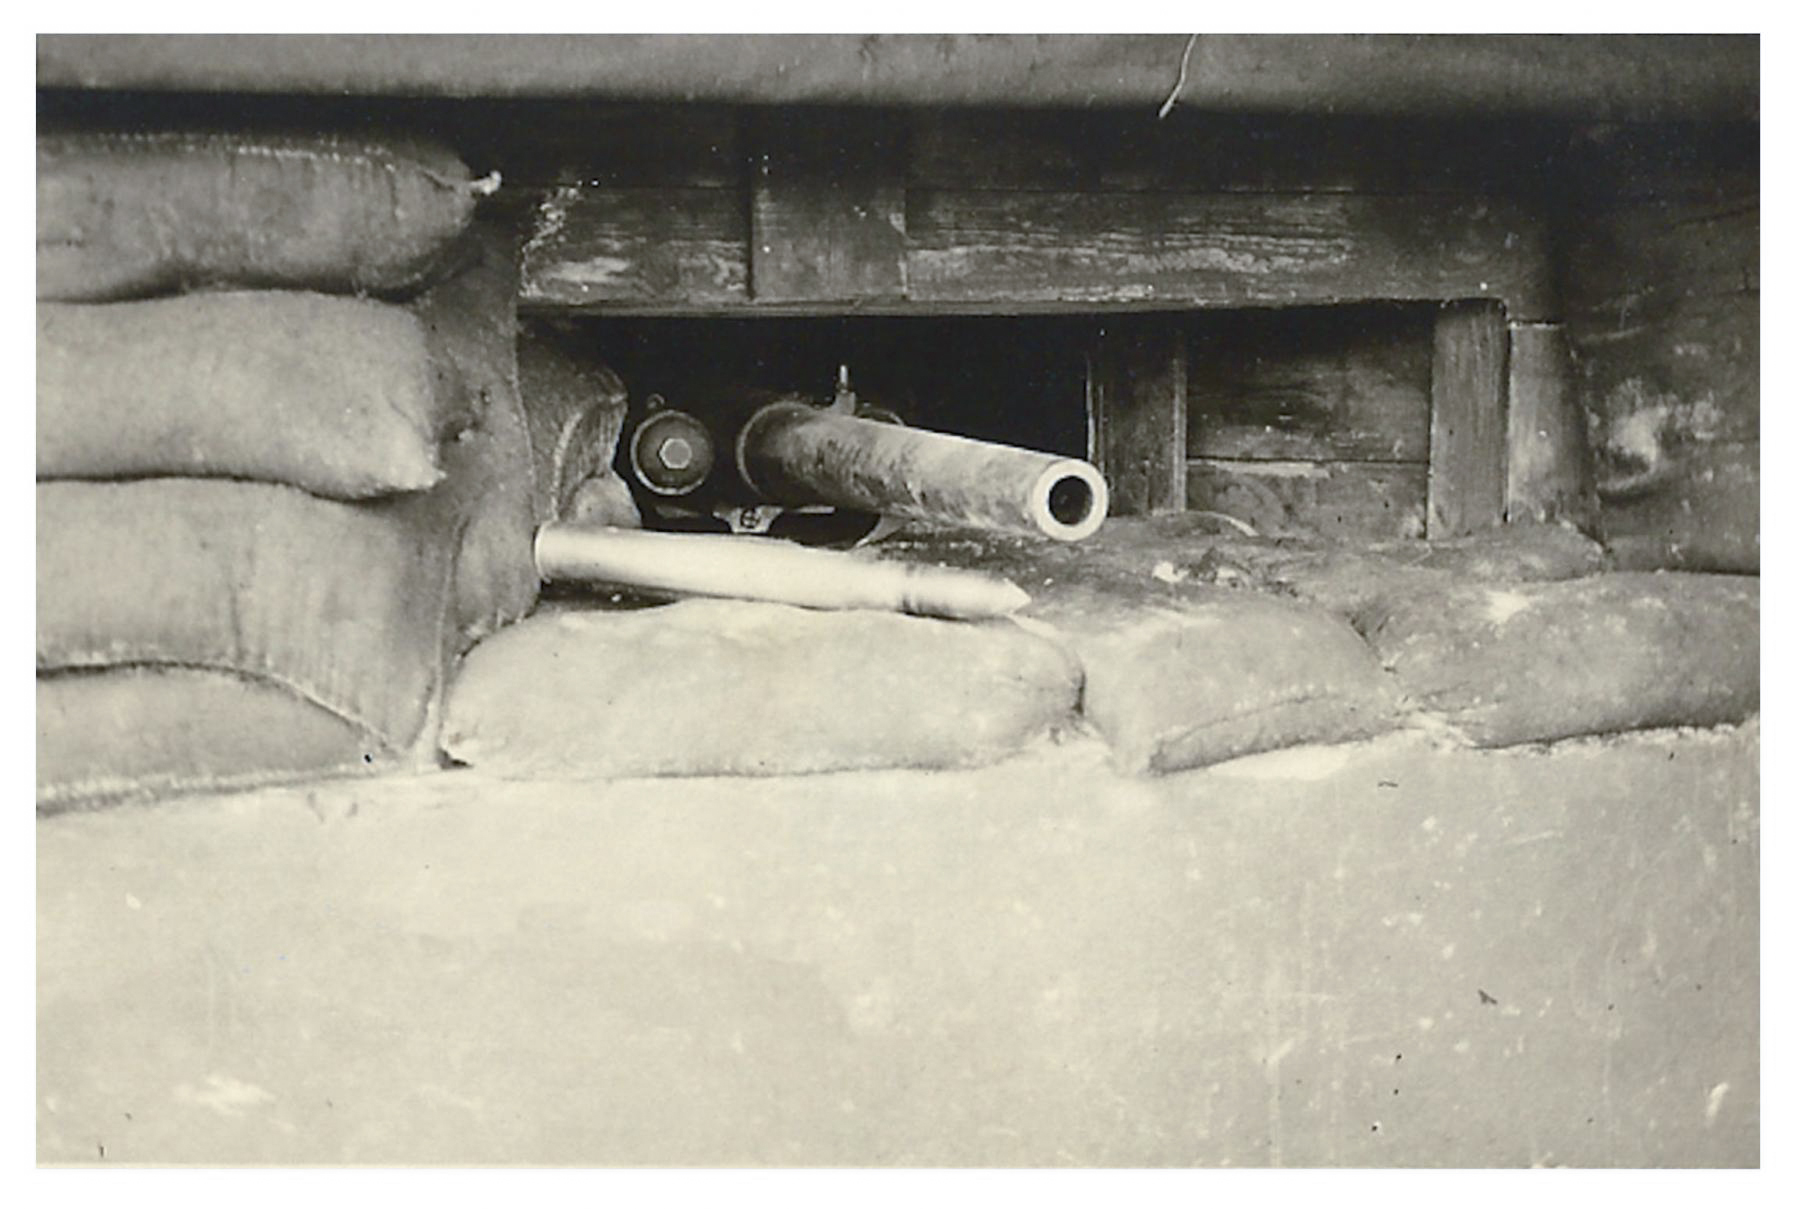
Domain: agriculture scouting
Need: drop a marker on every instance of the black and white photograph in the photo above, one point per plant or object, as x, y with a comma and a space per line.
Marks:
893, 601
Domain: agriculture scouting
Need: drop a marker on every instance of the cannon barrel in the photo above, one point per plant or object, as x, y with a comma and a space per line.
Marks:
793, 453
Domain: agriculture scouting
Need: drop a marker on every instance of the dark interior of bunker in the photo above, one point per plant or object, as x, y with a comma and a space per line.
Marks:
468, 428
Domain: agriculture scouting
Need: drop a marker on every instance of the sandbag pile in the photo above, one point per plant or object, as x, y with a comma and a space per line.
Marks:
1141, 637
284, 474
735, 688
1524, 663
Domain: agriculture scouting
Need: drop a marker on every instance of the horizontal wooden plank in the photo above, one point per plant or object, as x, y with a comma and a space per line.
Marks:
1132, 150
1223, 249
1340, 383
827, 207
669, 248
1351, 500
686, 250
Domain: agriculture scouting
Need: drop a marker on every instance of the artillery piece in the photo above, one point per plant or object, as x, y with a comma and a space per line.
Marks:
749, 463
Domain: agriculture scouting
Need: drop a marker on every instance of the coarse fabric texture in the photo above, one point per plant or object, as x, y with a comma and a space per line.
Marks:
734, 688
1525, 663
333, 395
345, 604
138, 731
489, 501
575, 409
1351, 582
130, 215
352, 609
1189, 684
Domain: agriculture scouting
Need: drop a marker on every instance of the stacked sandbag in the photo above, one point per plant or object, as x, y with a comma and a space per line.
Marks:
1190, 683
1524, 663
717, 687
575, 407
268, 513
146, 213
255, 385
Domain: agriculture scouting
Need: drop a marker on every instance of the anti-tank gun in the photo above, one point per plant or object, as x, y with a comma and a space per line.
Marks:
749, 463
748, 466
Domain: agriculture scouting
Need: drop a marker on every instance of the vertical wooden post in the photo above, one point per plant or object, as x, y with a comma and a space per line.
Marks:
827, 206
1467, 490
1137, 407
1548, 476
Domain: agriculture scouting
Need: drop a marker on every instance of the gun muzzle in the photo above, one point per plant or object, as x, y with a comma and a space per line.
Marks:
792, 453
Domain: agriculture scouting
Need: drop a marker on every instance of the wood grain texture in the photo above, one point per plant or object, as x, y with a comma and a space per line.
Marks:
1468, 420
827, 207
1137, 400
1351, 500
1350, 383
1130, 151
1548, 471
669, 247
1222, 249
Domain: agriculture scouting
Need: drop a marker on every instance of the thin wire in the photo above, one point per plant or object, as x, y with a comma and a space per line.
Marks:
1180, 80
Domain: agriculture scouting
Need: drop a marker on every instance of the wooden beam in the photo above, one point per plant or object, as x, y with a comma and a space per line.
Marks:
1348, 383
1118, 151
1224, 249
688, 250
1468, 419
1137, 404
827, 207
673, 248
1354, 500
1548, 476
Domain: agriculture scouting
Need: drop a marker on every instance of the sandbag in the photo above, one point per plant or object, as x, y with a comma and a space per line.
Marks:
343, 603
709, 687
356, 607
575, 407
1188, 684
335, 395
489, 502
140, 731
130, 215
1350, 582
1526, 663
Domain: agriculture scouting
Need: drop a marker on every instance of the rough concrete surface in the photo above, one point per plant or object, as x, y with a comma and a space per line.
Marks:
1383, 953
